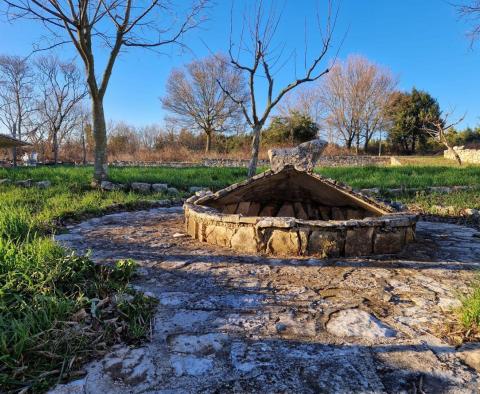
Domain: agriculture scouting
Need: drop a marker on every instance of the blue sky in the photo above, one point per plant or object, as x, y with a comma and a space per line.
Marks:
422, 41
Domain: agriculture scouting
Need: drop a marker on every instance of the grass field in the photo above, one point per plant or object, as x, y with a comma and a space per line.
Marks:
420, 176
44, 288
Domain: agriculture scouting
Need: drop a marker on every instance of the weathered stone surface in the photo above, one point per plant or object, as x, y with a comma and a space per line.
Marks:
284, 243
354, 214
172, 190
300, 212
338, 214
325, 243
230, 208
218, 235
230, 322
469, 353
254, 209
359, 241
195, 189
244, 240
269, 210
286, 210
24, 183
43, 184
325, 213
109, 186
141, 187
159, 187
358, 323
303, 157
466, 155
386, 242
243, 208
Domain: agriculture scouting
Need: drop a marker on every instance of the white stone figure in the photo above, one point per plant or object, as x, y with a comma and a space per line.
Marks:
303, 157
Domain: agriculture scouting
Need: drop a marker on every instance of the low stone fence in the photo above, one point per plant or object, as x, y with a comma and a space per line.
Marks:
323, 161
466, 155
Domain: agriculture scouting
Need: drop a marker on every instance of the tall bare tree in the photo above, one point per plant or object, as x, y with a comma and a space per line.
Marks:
355, 95
258, 57
59, 105
17, 104
197, 101
106, 27
438, 127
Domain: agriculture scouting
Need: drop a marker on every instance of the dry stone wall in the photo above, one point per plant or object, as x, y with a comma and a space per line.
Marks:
322, 161
466, 155
295, 237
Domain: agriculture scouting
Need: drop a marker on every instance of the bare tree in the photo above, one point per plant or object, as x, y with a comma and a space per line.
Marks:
62, 91
16, 97
106, 26
197, 101
355, 95
438, 129
258, 57
470, 11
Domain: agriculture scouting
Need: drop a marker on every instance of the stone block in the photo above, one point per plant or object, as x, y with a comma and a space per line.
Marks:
324, 243
191, 227
141, 187
43, 184
338, 214
284, 243
410, 234
286, 210
254, 209
172, 190
268, 210
244, 240
355, 214
387, 242
358, 241
230, 209
218, 235
159, 187
243, 207
300, 212
325, 213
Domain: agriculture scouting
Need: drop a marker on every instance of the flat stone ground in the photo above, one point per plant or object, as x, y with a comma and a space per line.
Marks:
239, 323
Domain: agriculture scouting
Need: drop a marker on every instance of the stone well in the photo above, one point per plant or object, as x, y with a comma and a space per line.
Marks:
297, 213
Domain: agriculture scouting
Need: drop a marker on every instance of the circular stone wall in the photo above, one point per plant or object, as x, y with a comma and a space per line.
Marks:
288, 236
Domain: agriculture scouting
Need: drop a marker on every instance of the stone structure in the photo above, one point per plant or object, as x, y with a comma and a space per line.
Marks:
466, 155
303, 157
292, 212
323, 161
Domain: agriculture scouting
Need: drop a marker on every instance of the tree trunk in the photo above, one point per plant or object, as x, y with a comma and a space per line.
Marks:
84, 147
208, 145
252, 167
14, 149
100, 172
55, 147
454, 152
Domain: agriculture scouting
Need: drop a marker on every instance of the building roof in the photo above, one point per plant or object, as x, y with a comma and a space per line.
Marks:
9, 142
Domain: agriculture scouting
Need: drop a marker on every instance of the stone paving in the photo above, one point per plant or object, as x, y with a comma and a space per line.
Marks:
243, 323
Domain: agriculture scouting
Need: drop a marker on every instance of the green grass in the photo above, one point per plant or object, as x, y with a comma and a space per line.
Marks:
435, 203
470, 309
420, 176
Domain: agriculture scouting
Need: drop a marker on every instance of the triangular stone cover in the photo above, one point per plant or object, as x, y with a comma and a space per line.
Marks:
292, 193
